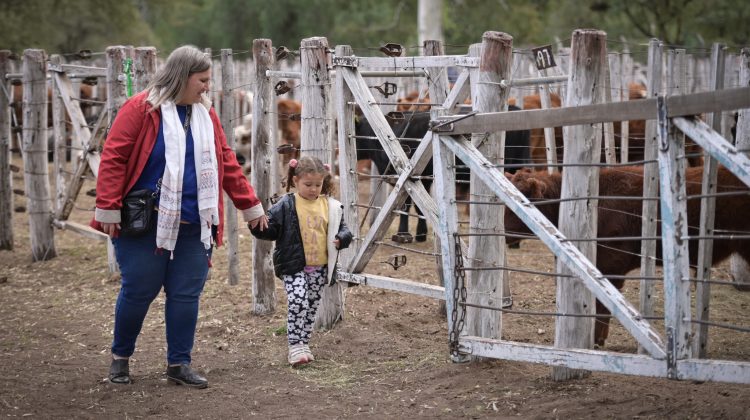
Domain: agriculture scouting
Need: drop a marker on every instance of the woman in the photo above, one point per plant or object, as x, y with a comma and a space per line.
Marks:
168, 139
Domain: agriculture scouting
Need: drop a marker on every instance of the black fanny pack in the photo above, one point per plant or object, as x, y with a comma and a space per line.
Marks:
137, 214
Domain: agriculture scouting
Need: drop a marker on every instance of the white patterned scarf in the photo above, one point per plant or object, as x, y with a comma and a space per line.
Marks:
170, 201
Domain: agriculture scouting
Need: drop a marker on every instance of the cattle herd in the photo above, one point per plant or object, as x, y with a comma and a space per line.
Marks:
618, 217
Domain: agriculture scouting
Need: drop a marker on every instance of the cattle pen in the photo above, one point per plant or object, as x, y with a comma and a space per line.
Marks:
331, 82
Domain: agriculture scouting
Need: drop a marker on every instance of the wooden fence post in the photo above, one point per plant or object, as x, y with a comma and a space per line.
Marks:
144, 66
316, 141
264, 174
59, 131
650, 186
578, 218
35, 151
487, 287
116, 96
6, 179
228, 118
708, 214
740, 268
348, 179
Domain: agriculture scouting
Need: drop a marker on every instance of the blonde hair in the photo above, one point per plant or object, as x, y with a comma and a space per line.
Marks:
310, 165
171, 80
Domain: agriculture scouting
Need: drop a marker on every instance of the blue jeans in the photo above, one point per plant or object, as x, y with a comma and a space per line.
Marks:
145, 270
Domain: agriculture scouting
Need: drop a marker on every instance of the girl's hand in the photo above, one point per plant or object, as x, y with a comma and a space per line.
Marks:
110, 228
337, 243
261, 222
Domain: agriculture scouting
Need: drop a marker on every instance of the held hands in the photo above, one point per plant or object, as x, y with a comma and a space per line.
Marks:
260, 222
110, 228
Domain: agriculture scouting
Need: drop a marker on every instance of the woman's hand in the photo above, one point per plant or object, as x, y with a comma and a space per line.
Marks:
261, 222
110, 228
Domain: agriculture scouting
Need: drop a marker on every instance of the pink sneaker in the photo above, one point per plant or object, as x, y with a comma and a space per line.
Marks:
297, 355
308, 353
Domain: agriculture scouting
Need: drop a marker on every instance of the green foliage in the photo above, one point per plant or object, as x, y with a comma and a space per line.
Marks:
66, 26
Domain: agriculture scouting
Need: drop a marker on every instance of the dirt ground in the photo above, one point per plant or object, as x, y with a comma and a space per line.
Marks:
387, 359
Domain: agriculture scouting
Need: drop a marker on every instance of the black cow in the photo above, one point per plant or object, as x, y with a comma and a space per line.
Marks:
411, 129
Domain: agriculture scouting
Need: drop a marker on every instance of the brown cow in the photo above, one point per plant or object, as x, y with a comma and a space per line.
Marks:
622, 218
289, 124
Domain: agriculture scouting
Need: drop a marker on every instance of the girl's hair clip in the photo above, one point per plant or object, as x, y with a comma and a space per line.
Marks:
293, 163
327, 166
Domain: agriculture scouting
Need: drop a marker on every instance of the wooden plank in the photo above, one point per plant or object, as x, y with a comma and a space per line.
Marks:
78, 71
675, 246
738, 267
399, 161
650, 187
627, 364
641, 109
228, 115
708, 212
264, 175
595, 281
348, 178
316, 139
407, 63
579, 218
144, 67
80, 229
35, 168
6, 179
59, 131
398, 285
487, 287
717, 146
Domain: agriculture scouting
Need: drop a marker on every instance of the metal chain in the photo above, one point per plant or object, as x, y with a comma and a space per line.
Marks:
459, 298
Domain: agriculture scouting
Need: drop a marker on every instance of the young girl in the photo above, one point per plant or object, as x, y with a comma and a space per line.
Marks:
309, 230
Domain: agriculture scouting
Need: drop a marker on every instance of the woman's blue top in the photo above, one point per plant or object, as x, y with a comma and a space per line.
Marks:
154, 170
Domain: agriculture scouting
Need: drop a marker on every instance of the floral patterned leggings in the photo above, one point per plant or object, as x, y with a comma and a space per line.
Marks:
303, 293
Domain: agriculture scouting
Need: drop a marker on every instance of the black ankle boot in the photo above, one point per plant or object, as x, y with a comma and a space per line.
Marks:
185, 375
119, 371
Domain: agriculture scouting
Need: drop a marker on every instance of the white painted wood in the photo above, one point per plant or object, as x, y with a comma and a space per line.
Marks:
626, 71
398, 285
650, 187
75, 71
80, 229
740, 268
347, 144
565, 251
439, 90
228, 115
578, 218
642, 109
317, 140
675, 245
400, 163
608, 94
411, 62
36, 180
59, 135
717, 146
708, 213
264, 174
486, 287
628, 364
6, 179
